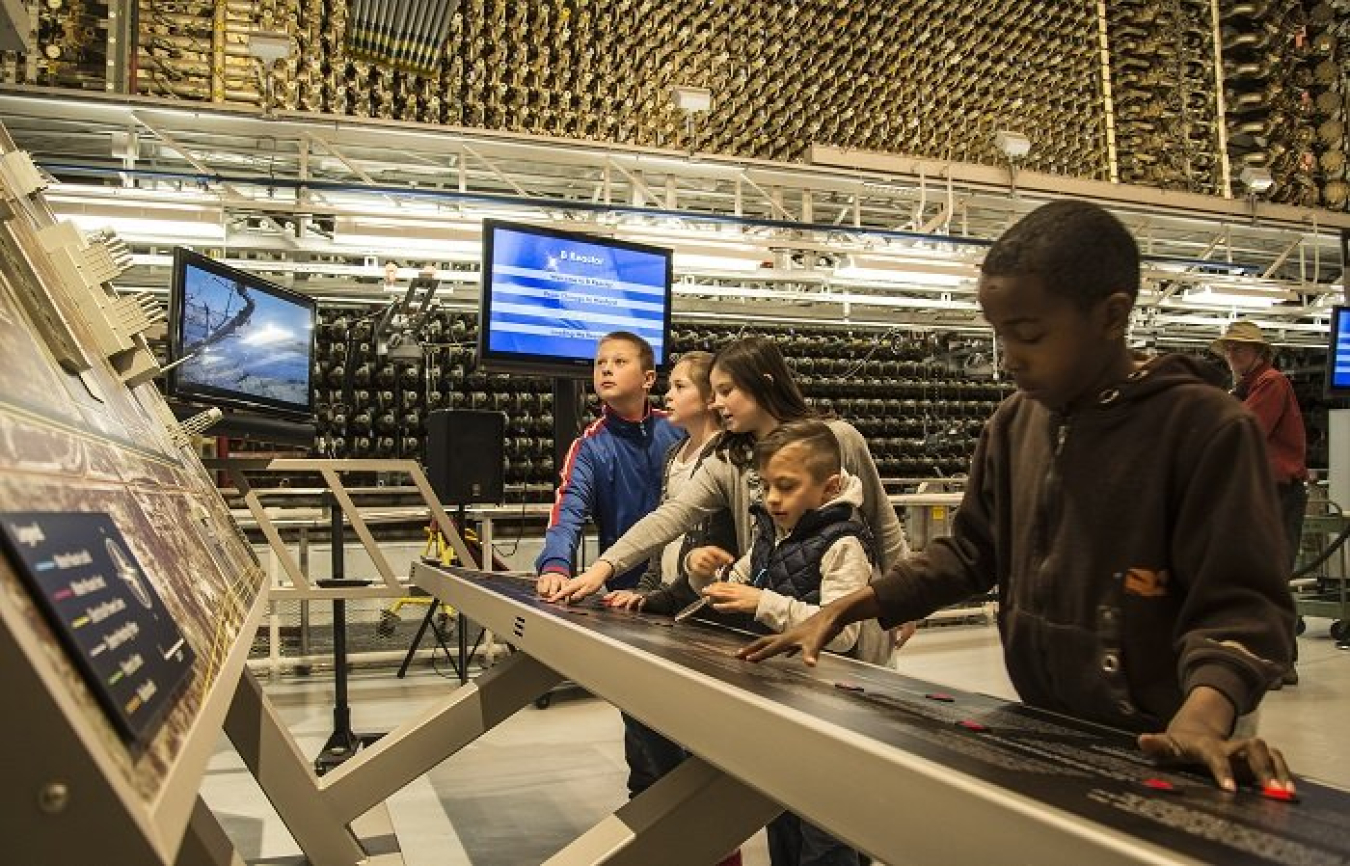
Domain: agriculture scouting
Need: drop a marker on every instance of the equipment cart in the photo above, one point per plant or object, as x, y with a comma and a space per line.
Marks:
1321, 591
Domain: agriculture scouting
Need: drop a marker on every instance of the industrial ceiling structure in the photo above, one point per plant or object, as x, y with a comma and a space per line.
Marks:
862, 238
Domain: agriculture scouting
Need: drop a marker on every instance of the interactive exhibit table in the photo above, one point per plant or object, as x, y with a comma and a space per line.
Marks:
904, 770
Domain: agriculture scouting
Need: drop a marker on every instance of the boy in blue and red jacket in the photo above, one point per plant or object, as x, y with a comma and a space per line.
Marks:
613, 471
613, 474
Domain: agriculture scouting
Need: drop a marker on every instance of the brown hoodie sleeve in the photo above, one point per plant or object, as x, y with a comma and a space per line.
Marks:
952, 568
1235, 627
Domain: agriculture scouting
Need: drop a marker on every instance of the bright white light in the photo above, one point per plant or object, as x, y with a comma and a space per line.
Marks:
1013, 145
691, 99
436, 240
150, 230
430, 249
897, 277
267, 334
1208, 296
845, 299
1256, 179
700, 263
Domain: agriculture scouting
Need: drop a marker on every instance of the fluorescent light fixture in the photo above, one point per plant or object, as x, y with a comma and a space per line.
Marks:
1256, 179
150, 222
703, 263
739, 318
269, 46
1220, 321
428, 240
1013, 145
411, 247
898, 277
817, 296
905, 270
691, 99
1211, 297
676, 231
150, 230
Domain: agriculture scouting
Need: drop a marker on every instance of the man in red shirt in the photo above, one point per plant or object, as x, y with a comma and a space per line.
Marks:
1268, 395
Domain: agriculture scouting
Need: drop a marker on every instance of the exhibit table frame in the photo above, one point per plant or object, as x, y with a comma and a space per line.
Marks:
768, 733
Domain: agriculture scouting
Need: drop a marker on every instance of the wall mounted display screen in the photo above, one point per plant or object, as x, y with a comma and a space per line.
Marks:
548, 296
107, 615
1338, 353
248, 343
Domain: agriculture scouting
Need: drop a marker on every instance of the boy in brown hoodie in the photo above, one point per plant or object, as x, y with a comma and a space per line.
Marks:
1122, 508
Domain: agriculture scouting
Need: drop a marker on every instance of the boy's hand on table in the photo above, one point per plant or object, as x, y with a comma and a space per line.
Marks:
1227, 759
728, 597
1198, 734
589, 581
549, 582
625, 599
807, 637
811, 635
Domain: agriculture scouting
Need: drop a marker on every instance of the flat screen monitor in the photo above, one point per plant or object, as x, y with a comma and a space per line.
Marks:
1338, 353
243, 342
548, 296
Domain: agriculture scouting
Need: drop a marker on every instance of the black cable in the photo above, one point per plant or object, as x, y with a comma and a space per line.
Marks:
520, 524
349, 370
865, 358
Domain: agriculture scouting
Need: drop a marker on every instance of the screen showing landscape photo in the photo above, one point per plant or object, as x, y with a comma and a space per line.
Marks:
245, 342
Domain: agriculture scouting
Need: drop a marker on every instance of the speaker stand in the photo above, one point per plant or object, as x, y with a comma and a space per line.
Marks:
568, 407
343, 742
461, 668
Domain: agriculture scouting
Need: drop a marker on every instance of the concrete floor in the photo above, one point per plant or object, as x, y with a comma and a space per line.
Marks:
535, 782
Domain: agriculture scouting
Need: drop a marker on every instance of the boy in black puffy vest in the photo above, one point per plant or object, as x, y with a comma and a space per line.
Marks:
811, 546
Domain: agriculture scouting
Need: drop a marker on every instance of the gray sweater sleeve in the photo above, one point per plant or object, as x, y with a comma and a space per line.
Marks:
704, 494
876, 505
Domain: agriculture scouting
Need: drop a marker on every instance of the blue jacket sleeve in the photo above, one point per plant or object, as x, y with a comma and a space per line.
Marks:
572, 507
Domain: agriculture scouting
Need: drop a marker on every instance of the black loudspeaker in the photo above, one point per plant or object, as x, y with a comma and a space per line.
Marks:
465, 456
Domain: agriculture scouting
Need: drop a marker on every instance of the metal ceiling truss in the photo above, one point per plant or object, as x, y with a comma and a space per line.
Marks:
864, 238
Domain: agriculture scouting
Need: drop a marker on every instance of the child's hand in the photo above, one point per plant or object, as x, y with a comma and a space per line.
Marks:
901, 634
579, 587
703, 562
589, 581
809, 637
1246, 757
733, 597
549, 582
625, 599
1194, 741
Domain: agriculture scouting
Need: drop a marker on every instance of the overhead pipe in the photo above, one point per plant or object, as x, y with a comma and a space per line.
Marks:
311, 186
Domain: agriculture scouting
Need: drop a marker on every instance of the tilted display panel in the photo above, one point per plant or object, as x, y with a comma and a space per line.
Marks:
75, 440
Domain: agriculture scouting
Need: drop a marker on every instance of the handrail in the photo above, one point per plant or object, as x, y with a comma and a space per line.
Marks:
331, 471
